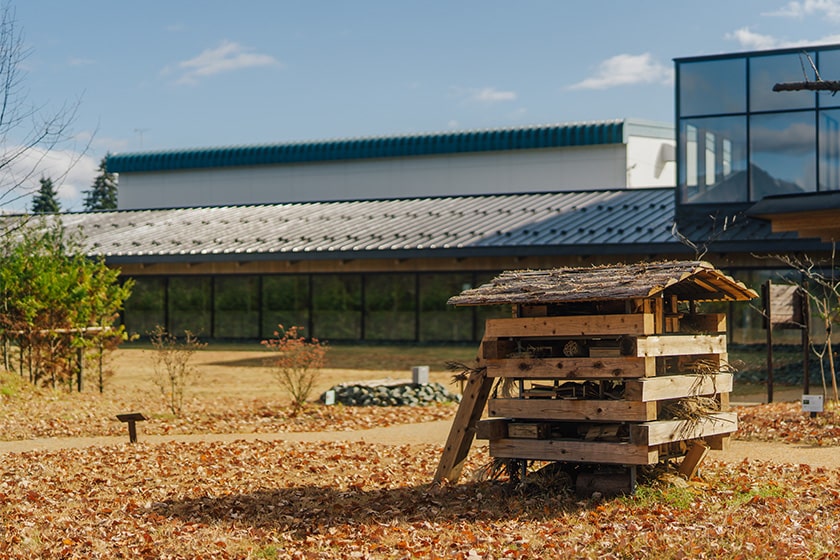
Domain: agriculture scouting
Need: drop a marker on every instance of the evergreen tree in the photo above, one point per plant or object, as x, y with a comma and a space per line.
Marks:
45, 200
103, 194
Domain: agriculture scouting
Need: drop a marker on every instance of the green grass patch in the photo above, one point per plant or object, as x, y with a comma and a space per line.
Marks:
648, 496
10, 384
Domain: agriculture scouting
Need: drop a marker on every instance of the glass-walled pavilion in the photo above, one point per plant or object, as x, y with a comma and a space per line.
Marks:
739, 141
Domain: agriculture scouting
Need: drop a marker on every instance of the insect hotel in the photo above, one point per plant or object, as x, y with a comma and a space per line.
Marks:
607, 367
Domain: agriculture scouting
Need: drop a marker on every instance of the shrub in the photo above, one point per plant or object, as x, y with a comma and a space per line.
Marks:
173, 373
298, 362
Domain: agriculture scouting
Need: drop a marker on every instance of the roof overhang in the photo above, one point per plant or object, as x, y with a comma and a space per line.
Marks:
809, 215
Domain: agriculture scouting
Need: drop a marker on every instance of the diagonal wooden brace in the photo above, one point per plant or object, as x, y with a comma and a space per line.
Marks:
463, 429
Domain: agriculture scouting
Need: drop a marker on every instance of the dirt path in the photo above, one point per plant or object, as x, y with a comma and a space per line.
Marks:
434, 433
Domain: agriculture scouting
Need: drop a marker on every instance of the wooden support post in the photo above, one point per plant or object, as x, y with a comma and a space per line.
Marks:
131, 419
765, 293
692, 459
80, 364
464, 426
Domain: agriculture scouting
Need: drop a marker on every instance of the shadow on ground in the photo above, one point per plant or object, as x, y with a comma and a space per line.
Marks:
304, 510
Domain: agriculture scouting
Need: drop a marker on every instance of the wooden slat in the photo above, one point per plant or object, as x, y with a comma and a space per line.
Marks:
682, 344
463, 428
667, 431
571, 368
571, 409
574, 451
492, 428
583, 325
676, 386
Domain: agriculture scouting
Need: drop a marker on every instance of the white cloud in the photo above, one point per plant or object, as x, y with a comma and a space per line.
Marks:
829, 9
627, 69
227, 57
492, 95
486, 95
756, 41
71, 173
751, 40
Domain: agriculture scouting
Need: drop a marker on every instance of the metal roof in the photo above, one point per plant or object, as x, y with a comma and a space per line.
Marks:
436, 143
618, 221
613, 222
695, 280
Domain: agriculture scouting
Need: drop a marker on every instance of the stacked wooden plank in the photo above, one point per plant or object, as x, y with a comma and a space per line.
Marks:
614, 367
608, 406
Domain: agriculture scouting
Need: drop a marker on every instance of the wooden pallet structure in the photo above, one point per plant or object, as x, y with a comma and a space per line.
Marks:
609, 365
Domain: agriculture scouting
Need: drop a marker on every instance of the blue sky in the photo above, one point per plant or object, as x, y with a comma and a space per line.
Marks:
157, 75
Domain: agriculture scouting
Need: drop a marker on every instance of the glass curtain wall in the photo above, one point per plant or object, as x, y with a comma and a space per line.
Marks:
398, 307
189, 305
740, 141
337, 307
146, 308
236, 307
438, 321
391, 307
285, 301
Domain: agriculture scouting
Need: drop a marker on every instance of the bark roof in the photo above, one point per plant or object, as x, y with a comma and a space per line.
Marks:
688, 280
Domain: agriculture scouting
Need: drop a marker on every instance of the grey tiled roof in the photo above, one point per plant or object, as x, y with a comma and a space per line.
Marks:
591, 222
460, 224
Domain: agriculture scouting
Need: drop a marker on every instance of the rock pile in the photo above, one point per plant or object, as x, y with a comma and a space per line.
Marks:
391, 393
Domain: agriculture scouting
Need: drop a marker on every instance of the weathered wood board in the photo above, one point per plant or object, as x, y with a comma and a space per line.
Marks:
573, 410
571, 368
679, 345
575, 451
667, 431
582, 326
676, 386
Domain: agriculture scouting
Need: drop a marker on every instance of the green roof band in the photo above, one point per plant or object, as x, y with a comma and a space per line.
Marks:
523, 138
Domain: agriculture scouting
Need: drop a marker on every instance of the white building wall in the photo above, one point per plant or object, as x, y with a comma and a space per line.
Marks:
561, 169
651, 162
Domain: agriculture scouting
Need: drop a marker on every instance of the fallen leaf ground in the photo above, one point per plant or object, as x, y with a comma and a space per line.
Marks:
342, 500
361, 500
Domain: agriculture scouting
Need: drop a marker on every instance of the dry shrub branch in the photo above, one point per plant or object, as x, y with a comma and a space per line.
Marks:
173, 372
297, 362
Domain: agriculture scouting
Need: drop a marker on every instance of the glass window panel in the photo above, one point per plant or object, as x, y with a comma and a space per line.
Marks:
438, 321
783, 150
766, 71
713, 87
189, 305
236, 307
690, 160
390, 307
830, 150
285, 301
145, 309
829, 65
337, 307
717, 147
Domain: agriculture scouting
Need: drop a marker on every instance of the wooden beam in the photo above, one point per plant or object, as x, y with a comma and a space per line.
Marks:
667, 431
676, 386
571, 368
573, 410
678, 345
574, 451
583, 325
463, 428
